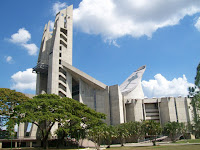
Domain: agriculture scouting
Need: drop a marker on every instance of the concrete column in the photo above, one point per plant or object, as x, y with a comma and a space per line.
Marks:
144, 111
69, 85
28, 144
80, 91
159, 112
0, 144
20, 133
33, 131
15, 144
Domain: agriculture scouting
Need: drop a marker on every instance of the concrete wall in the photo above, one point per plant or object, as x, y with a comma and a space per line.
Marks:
164, 111
130, 111
116, 105
134, 110
181, 109
97, 99
190, 110
137, 93
102, 103
61, 47
139, 110
172, 109
169, 108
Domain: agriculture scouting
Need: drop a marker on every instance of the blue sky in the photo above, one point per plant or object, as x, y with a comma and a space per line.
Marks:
111, 39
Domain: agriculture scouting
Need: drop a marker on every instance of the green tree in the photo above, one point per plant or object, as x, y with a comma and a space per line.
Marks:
195, 102
135, 130
152, 129
8, 100
46, 109
173, 130
96, 133
109, 134
197, 78
122, 132
77, 127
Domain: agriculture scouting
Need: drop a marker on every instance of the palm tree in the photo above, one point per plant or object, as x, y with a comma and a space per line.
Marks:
135, 130
109, 133
122, 132
96, 133
172, 129
152, 129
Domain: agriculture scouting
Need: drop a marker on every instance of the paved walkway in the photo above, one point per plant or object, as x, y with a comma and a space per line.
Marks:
141, 144
150, 144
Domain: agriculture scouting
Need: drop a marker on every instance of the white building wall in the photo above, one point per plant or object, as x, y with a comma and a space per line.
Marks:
181, 109
164, 111
116, 105
97, 99
137, 93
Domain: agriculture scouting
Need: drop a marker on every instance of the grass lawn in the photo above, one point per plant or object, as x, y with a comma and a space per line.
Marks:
189, 141
168, 147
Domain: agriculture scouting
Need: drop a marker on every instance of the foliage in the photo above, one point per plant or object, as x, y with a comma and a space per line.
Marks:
197, 78
152, 129
8, 100
110, 133
195, 102
46, 109
135, 130
77, 127
96, 133
122, 132
194, 93
173, 130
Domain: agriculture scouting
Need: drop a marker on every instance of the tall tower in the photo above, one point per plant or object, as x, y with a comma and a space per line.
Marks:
56, 46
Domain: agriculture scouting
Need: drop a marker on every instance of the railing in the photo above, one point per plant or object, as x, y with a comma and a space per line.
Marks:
42, 68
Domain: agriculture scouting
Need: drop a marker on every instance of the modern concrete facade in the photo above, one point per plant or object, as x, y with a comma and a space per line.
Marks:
55, 74
161, 110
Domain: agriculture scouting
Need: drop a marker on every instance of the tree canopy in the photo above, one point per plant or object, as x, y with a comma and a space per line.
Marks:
194, 93
152, 129
8, 100
46, 109
197, 78
172, 129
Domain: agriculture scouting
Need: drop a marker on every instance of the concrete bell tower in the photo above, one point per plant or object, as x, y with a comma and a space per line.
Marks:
56, 46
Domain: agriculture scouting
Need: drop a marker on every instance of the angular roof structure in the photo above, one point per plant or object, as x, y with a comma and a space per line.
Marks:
132, 83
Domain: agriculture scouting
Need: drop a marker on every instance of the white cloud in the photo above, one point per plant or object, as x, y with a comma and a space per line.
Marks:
31, 48
160, 86
24, 80
197, 24
51, 25
9, 59
22, 37
113, 19
58, 6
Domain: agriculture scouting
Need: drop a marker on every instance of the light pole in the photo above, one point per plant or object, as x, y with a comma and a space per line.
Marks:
78, 139
11, 141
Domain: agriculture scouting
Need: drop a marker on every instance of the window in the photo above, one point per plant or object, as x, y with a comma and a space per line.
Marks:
60, 61
61, 48
60, 55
